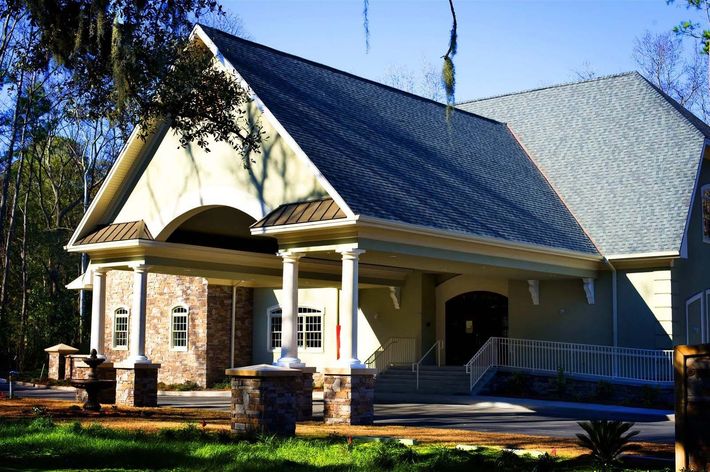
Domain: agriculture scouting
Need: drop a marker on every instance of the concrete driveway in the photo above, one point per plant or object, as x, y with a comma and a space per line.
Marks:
490, 414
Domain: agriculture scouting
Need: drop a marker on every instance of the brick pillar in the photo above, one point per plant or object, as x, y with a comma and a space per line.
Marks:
137, 384
304, 385
105, 371
264, 400
348, 396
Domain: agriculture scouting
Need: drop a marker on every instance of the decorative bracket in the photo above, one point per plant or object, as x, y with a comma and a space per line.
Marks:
589, 289
396, 296
534, 287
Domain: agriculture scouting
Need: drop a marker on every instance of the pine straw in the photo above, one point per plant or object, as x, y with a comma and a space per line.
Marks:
155, 419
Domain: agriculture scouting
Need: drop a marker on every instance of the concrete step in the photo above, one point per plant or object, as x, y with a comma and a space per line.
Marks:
432, 379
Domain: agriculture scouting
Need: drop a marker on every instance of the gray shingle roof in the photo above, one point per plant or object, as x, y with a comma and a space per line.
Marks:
622, 155
392, 155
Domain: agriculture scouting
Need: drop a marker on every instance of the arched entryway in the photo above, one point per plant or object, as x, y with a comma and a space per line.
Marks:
472, 318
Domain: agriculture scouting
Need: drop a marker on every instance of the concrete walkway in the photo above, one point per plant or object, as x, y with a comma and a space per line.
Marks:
475, 413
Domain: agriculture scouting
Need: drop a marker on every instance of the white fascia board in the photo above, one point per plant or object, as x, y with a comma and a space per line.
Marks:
643, 255
467, 237
684, 241
270, 230
200, 33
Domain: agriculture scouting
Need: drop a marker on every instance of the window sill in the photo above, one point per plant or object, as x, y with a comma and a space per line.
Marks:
120, 348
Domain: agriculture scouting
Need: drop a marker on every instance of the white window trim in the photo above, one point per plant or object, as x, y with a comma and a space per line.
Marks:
703, 189
187, 327
703, 317
270, 314
113, 329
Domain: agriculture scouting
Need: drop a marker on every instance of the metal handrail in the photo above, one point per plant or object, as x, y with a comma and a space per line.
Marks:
397, 350
417, 365
589, 360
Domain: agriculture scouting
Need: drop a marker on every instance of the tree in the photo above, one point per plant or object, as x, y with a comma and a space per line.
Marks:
663, 59
426, 82
134, 59
448, 71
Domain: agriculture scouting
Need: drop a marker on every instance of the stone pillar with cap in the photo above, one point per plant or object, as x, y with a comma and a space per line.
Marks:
57, 360
349, 388
265, 400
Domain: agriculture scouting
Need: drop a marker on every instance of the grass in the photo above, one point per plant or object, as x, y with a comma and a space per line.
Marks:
40, 444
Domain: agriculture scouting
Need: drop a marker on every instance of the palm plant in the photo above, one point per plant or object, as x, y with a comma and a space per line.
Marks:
607, 440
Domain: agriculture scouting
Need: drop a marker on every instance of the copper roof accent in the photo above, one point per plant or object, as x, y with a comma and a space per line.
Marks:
117, 232
324, 209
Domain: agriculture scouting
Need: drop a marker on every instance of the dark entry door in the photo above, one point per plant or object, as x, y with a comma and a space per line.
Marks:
472, 318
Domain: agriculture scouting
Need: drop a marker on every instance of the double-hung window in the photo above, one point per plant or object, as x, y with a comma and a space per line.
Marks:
178, 328
310, 328
120, 328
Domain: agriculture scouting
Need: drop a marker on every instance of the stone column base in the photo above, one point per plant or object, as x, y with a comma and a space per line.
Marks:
105, 371
348, 396
137, 384
264, 400
304, 385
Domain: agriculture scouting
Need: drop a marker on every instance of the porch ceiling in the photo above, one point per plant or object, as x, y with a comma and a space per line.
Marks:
254, 269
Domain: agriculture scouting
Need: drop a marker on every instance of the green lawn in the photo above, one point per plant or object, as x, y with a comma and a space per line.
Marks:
41, 445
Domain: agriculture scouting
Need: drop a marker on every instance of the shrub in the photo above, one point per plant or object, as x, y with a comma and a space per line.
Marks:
649, 395
561, 382
518, 384
607, 440
604, 391
507, 460
545, 463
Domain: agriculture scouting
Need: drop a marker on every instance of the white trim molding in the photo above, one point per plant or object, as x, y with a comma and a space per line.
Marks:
534, 288
698, 297
588, 285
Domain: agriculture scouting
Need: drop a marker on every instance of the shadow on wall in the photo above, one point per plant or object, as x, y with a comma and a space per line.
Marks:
645, 306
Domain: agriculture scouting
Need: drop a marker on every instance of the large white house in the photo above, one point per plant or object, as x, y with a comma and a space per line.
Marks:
371, 226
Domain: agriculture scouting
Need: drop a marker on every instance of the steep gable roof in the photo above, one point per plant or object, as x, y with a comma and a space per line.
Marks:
394, 156
622, 154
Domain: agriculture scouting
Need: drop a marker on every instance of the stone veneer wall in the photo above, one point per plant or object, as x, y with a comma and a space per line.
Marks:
219, 329
209, 325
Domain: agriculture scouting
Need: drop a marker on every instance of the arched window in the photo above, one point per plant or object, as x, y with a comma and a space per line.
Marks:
178, 328
120, 328
705, 192
310, 328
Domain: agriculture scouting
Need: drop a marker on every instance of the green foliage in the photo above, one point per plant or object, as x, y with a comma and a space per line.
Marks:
607, 440
518, 384
545, 463
561, 382
649, 395
604, 391
187, 386
135, 59
694, 29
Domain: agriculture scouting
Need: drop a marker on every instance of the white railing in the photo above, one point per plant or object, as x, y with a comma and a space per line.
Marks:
603, 362
396, 351
436, 347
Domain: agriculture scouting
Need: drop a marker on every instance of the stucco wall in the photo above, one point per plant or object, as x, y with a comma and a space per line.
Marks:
177, 180
692, 275
378, 319
645, 309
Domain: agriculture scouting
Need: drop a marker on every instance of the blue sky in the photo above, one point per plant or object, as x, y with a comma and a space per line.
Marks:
504, 46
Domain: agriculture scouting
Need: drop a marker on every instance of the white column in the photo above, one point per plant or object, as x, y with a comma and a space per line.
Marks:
349, 308
98, 312
289, 311
136, 342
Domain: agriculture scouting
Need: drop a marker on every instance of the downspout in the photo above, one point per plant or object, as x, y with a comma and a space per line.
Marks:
614, 317
614, 304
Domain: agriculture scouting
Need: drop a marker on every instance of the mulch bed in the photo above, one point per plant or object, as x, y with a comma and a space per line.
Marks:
155, 419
